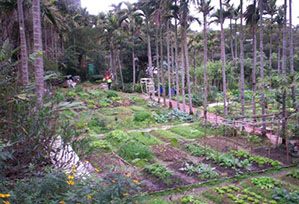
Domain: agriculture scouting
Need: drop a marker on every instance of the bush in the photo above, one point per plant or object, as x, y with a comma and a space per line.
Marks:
111, 94
135, 150
52, 187
117, 136
141, 116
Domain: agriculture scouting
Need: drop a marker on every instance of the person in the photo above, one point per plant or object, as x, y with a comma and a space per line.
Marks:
108, 78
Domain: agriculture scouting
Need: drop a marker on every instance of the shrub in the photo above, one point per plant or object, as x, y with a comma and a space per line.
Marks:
52, 187
141, 116
265, 182
117, 137
97, 125
159, 171
135, 150
111, 94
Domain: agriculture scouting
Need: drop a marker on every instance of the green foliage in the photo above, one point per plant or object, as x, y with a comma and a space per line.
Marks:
265, 182
258, 159
294, 174
5, 155
284, 196
117, 137
144, 138
52, 187
204, 171
97, 125
111, 94
173, 115
135, 150
187, 132
223, 159
191, 200
99, 145
141, 116
159, 171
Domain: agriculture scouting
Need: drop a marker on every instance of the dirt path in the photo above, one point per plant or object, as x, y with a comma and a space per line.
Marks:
216, 119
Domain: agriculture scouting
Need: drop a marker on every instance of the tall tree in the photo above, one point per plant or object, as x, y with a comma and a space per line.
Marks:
263, 100
284, 71
23, 43
251, 15
291, 44
223, 61
242, 81
38, 51
184, 10
271, 10
205, 8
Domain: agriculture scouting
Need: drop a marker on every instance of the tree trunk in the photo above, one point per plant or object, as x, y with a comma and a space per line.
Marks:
23, 43
263, 100
183, 78
242, 83
149, 50
292, 71
134, 67
162, 68
168, 64
158, 67
254, 72
223, 59
186, 53
120, 70
205, 61
231, 40
284, 72
278, 56
194, 68
271, 42
176, 56
38, 51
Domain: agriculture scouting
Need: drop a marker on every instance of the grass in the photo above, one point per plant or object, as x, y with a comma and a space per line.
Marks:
145, 138
187, 132
133, 150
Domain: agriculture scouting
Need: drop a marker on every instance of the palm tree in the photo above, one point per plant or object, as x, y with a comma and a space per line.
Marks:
271, 10
283, 69
223, 61
251, 15
176, 56
291, 39
263, 100
38, 51
205, 8
242, 82
23, 43
148, 7
184, 11
134, 23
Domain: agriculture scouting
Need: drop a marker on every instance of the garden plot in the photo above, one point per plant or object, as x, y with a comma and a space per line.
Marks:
123, 138
257, 190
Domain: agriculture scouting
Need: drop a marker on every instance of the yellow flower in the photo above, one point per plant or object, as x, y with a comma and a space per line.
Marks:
89, 197
62, 202
97, 170
70, 177
6, 202
71, 182
136, 181
4, 195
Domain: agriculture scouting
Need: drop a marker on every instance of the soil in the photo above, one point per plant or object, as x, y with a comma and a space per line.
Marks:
168, 153
158, 184
108, 162
278, 154
221, 144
